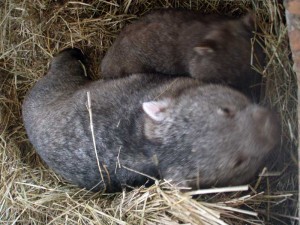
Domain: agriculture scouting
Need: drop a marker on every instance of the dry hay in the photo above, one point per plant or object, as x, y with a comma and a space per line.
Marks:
30, 193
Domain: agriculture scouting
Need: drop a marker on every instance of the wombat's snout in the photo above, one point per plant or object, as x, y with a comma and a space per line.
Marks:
268, 125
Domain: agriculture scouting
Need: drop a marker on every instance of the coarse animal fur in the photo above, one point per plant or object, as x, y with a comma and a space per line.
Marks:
212, 48
174, 128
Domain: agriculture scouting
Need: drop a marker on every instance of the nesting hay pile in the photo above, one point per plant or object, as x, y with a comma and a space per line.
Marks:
32, 31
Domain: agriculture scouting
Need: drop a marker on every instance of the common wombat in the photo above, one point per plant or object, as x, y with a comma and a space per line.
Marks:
180, 42
165, 127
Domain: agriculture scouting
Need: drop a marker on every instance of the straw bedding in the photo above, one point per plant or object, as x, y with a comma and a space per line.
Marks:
30, 193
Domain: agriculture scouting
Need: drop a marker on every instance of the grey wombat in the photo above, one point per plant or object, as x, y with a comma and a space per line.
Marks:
180, 42
165, 127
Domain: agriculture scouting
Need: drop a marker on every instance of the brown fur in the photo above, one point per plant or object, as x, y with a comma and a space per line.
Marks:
211, 48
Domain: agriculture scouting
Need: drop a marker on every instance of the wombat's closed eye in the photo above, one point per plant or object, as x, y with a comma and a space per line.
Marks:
239, 160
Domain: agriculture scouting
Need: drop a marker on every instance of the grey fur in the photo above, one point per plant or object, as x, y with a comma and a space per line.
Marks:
164, 40
209, 134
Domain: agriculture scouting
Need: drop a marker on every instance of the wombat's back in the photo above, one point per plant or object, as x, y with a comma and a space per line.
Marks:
58, 123
146, 44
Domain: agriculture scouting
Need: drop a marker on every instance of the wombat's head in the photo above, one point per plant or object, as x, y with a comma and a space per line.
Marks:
210, 135
225, 54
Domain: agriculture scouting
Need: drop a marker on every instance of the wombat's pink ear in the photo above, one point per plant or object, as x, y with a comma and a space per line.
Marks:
156, 110
203, 50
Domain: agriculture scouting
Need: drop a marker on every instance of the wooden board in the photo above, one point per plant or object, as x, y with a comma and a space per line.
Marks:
293, 22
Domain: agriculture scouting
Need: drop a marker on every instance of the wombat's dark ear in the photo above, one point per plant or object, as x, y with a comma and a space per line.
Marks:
156, 110
208, 45
203, 50
249, 20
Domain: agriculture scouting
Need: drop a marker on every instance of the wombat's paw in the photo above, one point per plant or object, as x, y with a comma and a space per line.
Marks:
74, 53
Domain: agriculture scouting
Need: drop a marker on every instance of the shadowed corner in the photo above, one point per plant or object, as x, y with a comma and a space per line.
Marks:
75, 53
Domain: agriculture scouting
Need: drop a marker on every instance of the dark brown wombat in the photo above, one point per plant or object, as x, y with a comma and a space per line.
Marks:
173, 128
180, 42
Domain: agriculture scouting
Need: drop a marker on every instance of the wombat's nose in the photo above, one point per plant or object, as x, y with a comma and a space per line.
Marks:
268, 123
